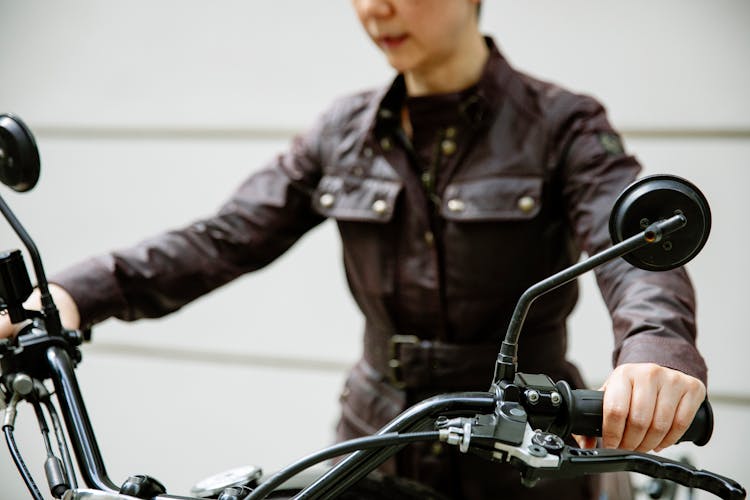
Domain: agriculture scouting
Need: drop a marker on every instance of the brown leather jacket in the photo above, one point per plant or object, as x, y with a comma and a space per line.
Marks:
439, 240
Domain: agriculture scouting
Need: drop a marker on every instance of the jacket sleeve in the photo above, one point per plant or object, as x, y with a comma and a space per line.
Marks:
653, 313
262, 219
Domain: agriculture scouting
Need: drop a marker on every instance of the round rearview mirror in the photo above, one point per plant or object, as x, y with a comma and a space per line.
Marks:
19, 156
655, 198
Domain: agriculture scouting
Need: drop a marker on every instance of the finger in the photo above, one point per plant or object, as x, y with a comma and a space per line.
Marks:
640, 416
585, 441
615, 407
7, 329
683, 417
667, 401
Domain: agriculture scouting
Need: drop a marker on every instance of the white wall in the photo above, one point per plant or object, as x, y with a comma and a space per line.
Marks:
147, 114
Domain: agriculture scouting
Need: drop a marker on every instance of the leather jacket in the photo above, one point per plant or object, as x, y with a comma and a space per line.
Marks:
520, 181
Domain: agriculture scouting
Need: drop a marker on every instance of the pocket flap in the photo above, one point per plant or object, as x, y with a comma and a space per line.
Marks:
356, 198
497, 198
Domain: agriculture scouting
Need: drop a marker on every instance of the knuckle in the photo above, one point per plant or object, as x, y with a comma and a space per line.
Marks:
617, 413
660, 426
681, 424
672, 377
652, 371
696, 386
638, 423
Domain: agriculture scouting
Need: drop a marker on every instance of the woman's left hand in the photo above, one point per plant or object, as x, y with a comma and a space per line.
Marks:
647, 407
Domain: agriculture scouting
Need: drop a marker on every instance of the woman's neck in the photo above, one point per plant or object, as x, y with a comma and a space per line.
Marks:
462, 70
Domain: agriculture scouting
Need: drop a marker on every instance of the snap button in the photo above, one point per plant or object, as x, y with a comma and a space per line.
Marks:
429, 238
450, 132
456, 205
426, 179
526, 204
448, 147
384, 113
379, 207
386, 144
327, 200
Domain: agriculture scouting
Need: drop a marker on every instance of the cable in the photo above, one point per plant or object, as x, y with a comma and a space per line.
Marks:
378, 441
43, 427
30, 484
62, 444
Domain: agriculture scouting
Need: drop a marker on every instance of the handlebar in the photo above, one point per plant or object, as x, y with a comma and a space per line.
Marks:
491, 425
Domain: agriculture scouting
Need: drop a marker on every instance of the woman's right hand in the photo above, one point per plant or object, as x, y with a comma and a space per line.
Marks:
67, 307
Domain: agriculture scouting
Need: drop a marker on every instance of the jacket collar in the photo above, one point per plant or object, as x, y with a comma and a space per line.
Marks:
484, 98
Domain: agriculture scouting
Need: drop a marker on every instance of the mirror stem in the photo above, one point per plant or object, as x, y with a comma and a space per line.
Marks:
505, 368
51, 314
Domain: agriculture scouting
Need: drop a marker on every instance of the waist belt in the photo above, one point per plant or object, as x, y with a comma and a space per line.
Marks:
408, 362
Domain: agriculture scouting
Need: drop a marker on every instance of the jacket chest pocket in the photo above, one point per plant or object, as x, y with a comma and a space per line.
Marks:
496, 234
362, 208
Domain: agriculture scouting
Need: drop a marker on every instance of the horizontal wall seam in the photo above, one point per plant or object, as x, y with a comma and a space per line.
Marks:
162, 133
218, 357
283, 134
284, 363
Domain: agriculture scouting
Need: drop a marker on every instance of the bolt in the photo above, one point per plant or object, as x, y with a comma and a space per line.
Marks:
551, 442
537, 451
555, 398
667, 246
517, 412
532, 396
22, 384
644, 223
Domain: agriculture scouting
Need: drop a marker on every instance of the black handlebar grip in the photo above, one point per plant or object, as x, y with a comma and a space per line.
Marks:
585, 410
702, 427
584, 415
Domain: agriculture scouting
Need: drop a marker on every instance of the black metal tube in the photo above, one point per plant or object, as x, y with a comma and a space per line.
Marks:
360, 463
651, 234
81, 433
364, 443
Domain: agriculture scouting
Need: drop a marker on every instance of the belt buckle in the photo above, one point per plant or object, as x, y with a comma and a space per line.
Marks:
394, 363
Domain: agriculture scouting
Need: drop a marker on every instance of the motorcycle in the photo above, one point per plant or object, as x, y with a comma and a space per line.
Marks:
658, 223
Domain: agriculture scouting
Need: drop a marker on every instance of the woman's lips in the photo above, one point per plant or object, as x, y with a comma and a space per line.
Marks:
392, 41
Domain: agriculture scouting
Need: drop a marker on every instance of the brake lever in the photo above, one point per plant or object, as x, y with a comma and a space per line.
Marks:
575, 462
538, 454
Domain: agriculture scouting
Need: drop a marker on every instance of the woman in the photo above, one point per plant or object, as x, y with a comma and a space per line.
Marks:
454, 189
